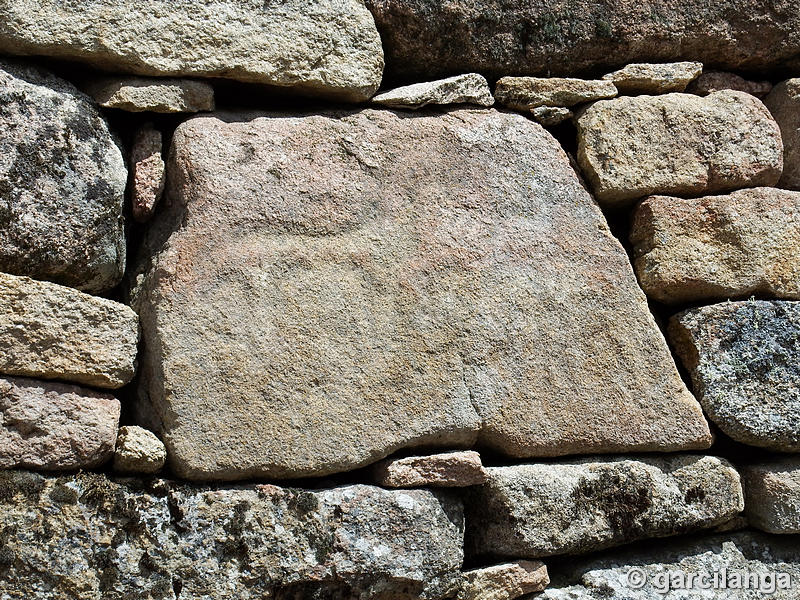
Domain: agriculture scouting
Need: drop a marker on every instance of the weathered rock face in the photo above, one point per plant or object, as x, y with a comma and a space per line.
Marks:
744, 359
569, 508
718, 247
138, 451
716, 81
644, 573
784, 104
149, 173
659, 78
538, 37
144, 94
53, 332
335, 287
471, 88
681, 144
62, 180
526, 93
448, 469
326, 47
53, 426
85, 536
772, 492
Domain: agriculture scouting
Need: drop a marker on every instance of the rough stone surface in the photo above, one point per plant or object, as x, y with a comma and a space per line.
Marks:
62, 181
678, 144
784, 104
549, 116
449, 469
505, 582
772, 495
716, 81
429, 38
144, 94
53, 426
149, 173
526, 93
85, 536
718, 247
654, 78
744, 360
584, 505
53, 332
737, 555
328, 289
471, 88
324, 47
138, 451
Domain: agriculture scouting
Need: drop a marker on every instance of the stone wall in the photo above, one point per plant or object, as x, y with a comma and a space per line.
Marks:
274, 327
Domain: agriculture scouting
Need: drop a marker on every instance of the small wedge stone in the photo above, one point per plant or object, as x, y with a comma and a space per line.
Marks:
505, 582
550, 116
138, 451
654, 78
716, 81
449, 469
149, 173
471, 88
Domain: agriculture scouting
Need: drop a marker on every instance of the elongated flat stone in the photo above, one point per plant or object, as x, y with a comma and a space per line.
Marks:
574, 507
677, 144
744, 360
506, 581
145, 94
326, 290
53, 426
329, 48
718, 247
87, 536
526, 93
49, 331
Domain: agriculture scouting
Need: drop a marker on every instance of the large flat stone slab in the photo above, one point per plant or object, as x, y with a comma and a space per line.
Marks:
329, 48
677, 144
85, 536
687, 569
537, 510
50, 331
424, 38
327, 289
718, 247
53, 426
744, 360
62, 183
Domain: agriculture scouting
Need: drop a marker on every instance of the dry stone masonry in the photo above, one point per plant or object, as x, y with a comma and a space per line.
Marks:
515, 314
